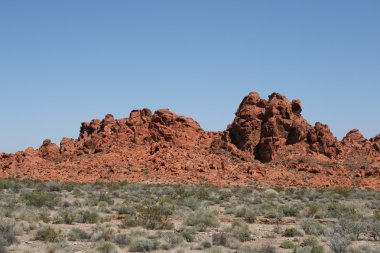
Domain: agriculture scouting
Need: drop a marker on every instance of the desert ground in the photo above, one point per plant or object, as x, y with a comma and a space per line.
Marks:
48, 216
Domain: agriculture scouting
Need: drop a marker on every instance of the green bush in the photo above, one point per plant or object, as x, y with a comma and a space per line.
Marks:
267, 249
336, 210
202, 219
76, 234
107, 247
6, 184
48, 234
287, 245
290, 211
233, 243
220, 238
154, 216
250, 216
240, 231
86, 216
171, 240
39, 199
142, 245
291, 232
313, 245
312, 227
130, 221
188, 234
7, 234
344, 192
121, 239
65, 216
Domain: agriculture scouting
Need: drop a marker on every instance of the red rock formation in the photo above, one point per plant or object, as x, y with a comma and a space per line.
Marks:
49, 150
269, 141
267, 126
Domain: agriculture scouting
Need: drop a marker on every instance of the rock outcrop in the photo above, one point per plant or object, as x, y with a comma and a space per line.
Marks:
269, 141
263, 127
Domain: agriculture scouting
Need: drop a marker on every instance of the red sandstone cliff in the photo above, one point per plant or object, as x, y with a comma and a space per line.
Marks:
268, 142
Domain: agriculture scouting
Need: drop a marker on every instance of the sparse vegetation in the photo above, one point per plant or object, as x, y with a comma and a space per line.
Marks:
142, 218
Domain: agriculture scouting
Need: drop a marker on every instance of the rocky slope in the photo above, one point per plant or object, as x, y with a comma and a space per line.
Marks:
268, 142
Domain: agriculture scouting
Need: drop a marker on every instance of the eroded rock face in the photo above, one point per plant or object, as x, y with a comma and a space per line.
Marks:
179, 130
376, 142
354, 138
49, 150
245, 130
323, 141
269, 141
266, 126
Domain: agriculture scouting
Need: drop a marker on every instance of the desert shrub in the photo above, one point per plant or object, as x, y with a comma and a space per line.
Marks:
189, 234
44, 214
312, 210
125, 210
191, 202
246, 249
344, 192
48, 234
214, 250
150, 216
6, 184
270, 194
240, 231
20, 227
106, 198
373, 229
7, 234
312, 227
336, 210
362, 248
103, 207
337, 243
220, 238
202, 219
130, 221
69, 186
267, 249
310, 241
290, 211
142, 245
233, 243
39, 199
312, 244
52, 186
242, 211
65, 216
87, 216
77, 234
205, 244
107, 247
171, 240
352, 227
154, 216
376, 214
291, 232
250, 216
53, 247
271, 212
287, 245
121, 239
104, 232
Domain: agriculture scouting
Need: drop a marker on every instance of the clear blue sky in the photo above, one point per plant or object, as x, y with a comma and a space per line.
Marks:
64, 62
